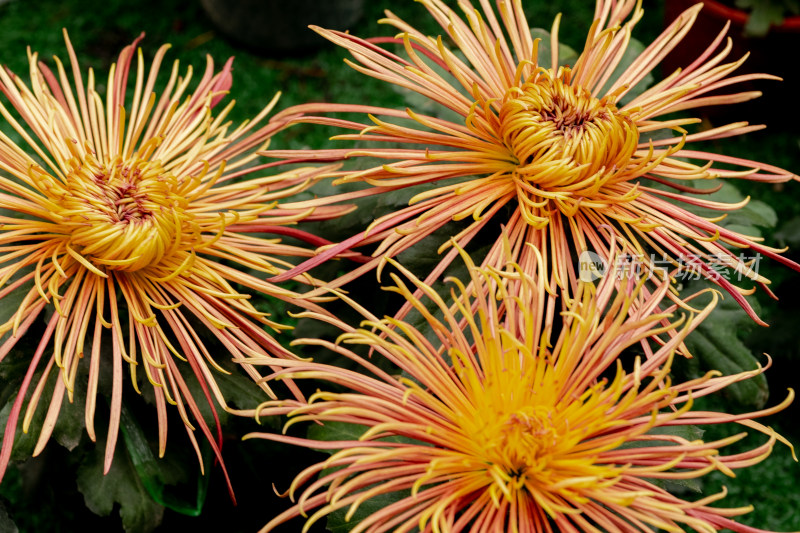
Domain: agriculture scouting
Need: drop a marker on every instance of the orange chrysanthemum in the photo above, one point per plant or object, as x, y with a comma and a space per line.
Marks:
128, 219
559, 145
514, 418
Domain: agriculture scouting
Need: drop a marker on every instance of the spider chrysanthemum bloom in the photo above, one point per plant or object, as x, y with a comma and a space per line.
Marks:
124, 223
560, 146
515, 418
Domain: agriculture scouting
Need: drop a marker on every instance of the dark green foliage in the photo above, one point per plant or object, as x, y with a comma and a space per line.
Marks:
42, 494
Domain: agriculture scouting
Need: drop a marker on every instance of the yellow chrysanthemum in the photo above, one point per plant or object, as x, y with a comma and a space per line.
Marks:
123, 223
558, 148
514, 417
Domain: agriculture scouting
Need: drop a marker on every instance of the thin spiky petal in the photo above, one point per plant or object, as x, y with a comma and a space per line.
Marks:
566, 148
514, 417
127, 215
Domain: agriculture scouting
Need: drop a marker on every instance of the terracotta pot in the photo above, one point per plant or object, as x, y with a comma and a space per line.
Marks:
771, 54
279, 27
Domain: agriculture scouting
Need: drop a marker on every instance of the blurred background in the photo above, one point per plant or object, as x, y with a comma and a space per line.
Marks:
274, 52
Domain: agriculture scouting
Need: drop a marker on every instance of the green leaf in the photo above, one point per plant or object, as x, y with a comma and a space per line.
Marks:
69, 429
789, 233
566, 55
70, 424
677, 486
632, 52
176, 480
756, 214
25, 443
328, 431
717, 344
690, 433
11, 302
749, 219
158, 476
369, 208
424, 105
6, 524
423, 257
338, 524
335, 431
239, 389
140, 514
766, 13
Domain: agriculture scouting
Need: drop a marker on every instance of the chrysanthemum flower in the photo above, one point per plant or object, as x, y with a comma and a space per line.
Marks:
515, 418
559, 145
123, 225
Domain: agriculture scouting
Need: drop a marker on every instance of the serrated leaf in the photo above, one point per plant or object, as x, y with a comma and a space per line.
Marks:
159, 476
139, 513
717, 344
239, 389
70, 424
747, 219
69, 429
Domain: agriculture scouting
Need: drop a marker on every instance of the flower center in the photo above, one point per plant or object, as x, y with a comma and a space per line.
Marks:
125, 215
524, 441
567, 143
